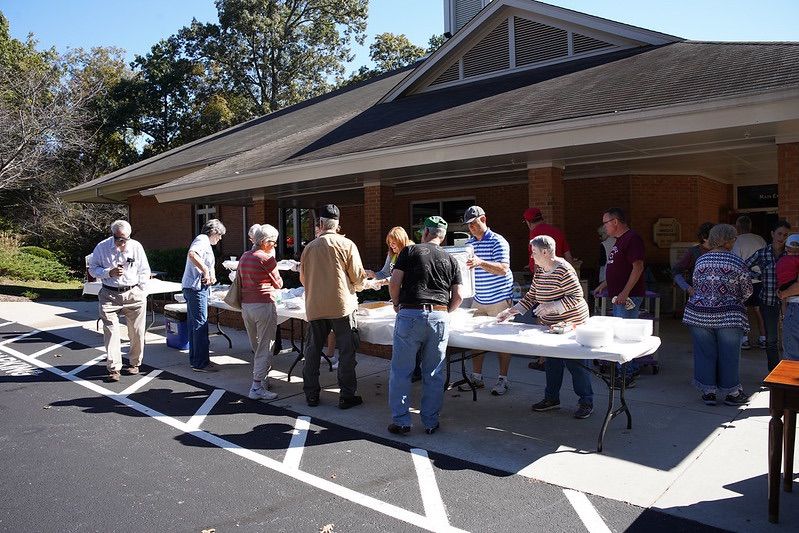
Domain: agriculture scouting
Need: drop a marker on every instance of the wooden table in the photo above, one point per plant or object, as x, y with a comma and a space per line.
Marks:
783, 384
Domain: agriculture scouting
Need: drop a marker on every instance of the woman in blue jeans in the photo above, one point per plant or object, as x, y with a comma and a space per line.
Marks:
716, 316
198, 276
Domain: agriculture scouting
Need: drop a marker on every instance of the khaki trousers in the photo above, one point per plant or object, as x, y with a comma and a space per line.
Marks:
260, 320
132, 304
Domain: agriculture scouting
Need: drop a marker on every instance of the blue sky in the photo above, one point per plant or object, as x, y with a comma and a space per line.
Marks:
135, 25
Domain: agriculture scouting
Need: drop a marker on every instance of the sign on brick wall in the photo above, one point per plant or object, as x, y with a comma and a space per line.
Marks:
665, 232
758, 197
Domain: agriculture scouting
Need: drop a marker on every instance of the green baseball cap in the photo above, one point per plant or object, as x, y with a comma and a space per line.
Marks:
435, 222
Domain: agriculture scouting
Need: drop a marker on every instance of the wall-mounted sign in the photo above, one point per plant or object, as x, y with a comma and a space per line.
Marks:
666, 231
758, 197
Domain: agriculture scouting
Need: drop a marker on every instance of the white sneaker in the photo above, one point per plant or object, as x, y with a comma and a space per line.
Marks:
265, 384
501, 387
261, 394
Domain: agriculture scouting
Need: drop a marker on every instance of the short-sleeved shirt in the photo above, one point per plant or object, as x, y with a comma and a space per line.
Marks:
787, 270
192, 276
490, 288
428, 275
561, 244
259, 277
628, 249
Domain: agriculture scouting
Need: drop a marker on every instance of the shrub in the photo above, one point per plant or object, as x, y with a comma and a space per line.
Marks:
39, 252
171, 261
23, 266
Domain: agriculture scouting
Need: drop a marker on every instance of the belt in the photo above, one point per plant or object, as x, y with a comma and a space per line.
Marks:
120, 288
425, 307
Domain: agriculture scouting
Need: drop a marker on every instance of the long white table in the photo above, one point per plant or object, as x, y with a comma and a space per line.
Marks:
471, 336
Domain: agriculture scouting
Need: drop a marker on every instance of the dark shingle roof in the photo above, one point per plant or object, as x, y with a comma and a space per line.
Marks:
650, 77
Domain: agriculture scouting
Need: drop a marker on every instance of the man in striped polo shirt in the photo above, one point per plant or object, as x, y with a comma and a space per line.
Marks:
493, 286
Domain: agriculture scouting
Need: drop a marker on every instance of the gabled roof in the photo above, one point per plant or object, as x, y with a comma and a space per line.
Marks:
608, 87
510, 35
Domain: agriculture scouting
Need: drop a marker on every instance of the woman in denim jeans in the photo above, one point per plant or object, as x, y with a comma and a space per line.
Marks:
716, 316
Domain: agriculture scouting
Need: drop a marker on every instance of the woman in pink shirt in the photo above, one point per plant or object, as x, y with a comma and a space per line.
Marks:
260, 279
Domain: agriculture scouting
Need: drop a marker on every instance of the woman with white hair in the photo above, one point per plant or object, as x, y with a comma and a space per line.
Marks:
198, 276
555, 296
260, 279
716, 315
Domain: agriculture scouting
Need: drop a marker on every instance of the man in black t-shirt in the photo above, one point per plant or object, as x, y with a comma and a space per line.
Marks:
425, 287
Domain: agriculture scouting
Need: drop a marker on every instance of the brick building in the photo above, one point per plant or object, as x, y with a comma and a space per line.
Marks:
526, 104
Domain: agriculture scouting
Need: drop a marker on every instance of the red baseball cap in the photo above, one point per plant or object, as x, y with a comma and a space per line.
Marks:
532, 214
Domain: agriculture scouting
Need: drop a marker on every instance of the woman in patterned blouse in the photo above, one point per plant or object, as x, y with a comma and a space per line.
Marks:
716, 316
555, 295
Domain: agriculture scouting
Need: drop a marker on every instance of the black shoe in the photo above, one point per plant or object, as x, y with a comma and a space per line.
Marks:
312, 401
737, 400
546, 405
398, 430
709, 398
433, 429
210, 367
351, 401
583, 411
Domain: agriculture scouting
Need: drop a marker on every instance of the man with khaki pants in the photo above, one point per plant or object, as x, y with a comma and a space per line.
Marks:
120, 263
493, 286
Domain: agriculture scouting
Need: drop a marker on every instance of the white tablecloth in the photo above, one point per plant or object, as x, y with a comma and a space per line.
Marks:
153, 286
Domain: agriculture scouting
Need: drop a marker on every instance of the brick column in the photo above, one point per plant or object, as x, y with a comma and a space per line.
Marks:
378, 215
546, 193
788, 182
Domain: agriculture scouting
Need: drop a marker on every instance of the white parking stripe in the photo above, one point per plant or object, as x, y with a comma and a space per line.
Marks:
7, 323
431, 496
320, 483
87, 364
590, 517
50, 348
19, 337
297, 444
141, 383
199, 417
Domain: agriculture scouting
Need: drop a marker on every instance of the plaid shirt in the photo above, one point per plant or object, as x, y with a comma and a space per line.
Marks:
764, 258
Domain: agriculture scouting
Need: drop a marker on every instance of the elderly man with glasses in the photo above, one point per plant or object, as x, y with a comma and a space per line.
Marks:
120, 263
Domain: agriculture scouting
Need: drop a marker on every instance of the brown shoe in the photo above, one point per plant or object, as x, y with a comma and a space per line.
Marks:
131, 370
114, 376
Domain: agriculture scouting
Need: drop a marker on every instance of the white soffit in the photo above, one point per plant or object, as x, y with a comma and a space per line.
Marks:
446, 64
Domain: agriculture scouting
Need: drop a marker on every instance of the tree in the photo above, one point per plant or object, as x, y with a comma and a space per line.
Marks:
277, 52
388, 52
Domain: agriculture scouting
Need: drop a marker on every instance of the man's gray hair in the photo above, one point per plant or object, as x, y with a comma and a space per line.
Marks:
328, 224
436, 233
721, 234
120, 225
265, 233
213, 226
544, 242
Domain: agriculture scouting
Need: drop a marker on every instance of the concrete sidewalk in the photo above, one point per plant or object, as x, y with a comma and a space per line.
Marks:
705, 463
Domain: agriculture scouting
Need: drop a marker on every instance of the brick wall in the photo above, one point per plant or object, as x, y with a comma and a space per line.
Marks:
232, 216
788, 182
160, 226
546, 192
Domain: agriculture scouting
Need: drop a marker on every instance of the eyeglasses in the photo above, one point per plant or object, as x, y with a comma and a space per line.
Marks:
120, 240
609, 220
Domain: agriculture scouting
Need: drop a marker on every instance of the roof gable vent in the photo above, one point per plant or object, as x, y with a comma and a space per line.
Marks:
536, 42
451, 74
490, 54
583, 43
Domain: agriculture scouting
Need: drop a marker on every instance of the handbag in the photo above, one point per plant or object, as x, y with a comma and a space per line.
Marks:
233, 296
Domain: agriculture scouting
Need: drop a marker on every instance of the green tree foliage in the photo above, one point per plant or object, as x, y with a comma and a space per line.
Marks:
276, 53
390, 51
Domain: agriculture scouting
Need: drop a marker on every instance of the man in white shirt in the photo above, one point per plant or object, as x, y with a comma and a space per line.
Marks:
120, 263
745, 245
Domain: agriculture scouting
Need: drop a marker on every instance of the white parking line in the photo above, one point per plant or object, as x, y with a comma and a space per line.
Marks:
297, 444
141, 383
87, 364
199, 417
50, 348
320, 483
19, 337
7, 323
431, 496
587, 513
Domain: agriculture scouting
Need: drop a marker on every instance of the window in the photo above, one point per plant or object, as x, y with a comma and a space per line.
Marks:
450, 210
296, 230
202, 214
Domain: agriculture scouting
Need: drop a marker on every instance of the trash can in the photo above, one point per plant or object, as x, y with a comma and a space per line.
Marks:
177, 331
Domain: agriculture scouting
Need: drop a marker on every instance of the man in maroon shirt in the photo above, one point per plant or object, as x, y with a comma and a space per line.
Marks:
624, 278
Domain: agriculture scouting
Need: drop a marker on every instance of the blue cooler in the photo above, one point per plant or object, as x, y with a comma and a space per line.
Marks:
177, 331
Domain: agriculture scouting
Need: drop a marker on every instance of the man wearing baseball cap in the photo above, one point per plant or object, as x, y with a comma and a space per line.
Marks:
493, 286
425, 287
331, 272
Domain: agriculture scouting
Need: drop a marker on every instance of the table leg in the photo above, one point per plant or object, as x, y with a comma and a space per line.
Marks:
301, 349
464, 379
609, 414
774, 463
788, 442
149, 301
